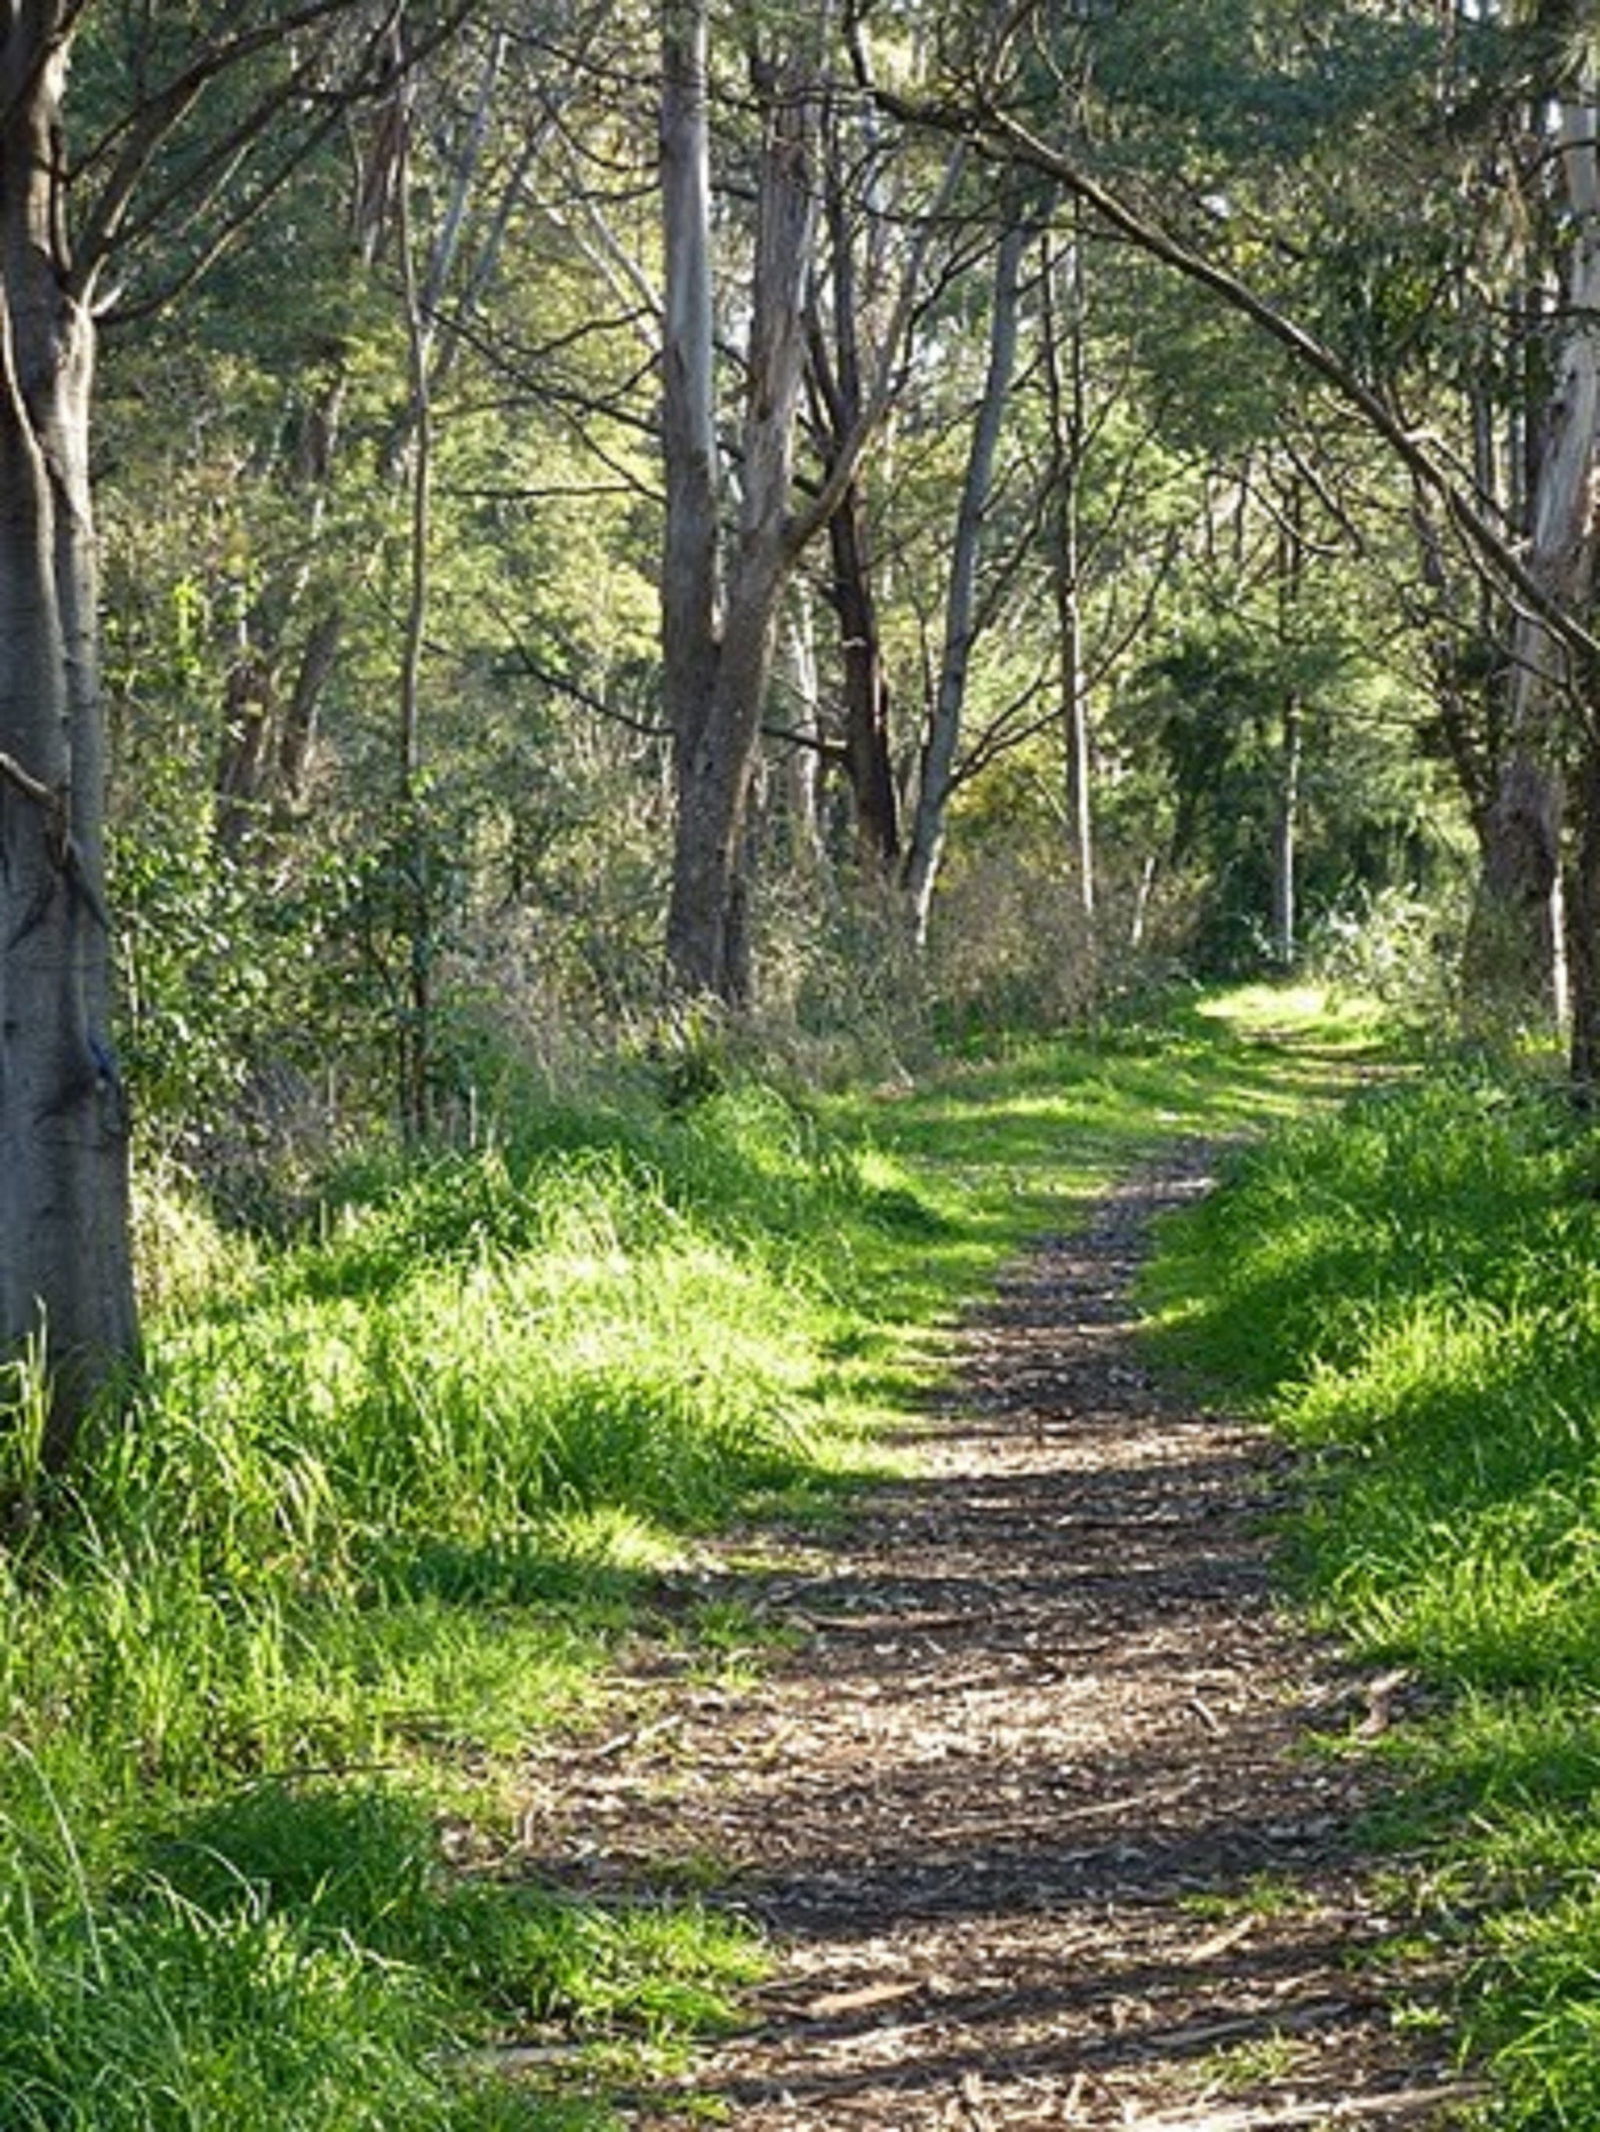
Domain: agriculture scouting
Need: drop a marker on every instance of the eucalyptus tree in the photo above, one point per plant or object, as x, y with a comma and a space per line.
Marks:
1241, 146
174, 134
938, 758
725, 569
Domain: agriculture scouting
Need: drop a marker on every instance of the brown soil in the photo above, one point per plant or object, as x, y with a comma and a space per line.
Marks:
1038, 1809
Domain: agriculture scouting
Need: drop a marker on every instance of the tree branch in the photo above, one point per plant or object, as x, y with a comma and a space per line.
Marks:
1000, 138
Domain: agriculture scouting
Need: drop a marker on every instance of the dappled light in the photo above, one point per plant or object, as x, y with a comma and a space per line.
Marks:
720, 726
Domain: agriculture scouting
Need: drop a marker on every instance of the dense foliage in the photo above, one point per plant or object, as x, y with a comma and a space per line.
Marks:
1061, 509
313, 859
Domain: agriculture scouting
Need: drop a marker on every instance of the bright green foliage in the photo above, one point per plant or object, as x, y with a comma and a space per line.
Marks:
380, 1501
1410, 1290
297, 1957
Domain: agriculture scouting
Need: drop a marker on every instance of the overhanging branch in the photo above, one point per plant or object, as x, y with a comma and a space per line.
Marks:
998, 136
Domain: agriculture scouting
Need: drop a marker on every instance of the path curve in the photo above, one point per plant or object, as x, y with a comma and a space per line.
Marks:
1032, 1809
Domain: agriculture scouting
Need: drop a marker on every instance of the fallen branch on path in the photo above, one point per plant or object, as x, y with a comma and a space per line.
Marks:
1403, 2102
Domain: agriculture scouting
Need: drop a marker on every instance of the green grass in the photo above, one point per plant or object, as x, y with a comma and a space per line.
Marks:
1411, 1291
388, 1496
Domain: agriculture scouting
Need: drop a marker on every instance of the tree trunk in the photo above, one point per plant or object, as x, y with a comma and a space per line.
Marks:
937, 779
716, 677
1065, 388
1286, 823
866, 690
266, 740
414, 1030
1285, 829
66, 1285
839, 403
690, 583
1584, 932
802, 785
1516, 958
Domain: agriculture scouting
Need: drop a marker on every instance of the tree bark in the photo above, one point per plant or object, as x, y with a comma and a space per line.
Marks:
1583, 914
1065, 389
66, 1284
1286, 822
1517, 960
937, 779
716, 668
1285, 839
865, 688
839, 404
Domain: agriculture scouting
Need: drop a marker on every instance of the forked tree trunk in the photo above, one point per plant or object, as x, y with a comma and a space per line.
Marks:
716, 666
66, 1285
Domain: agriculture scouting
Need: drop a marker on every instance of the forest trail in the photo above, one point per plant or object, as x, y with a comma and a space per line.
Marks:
1029, 1807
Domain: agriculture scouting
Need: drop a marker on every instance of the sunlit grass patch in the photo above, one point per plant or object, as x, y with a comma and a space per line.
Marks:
1411, 1290
300, 1956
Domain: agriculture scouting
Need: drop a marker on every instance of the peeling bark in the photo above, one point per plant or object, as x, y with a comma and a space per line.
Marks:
717, 664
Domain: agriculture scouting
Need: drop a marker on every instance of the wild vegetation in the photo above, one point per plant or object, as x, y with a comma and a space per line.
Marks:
630, 636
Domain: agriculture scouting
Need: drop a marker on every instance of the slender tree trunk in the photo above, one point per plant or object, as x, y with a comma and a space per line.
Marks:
66, 1285
839, 400
865, 688
937, 780
415, 1031
268, 729
690, 577
803, 764
1516, 957
1286, 823
1066, 388
1285, 839
1583, 911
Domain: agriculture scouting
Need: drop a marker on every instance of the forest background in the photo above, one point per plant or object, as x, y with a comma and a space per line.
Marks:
888, 524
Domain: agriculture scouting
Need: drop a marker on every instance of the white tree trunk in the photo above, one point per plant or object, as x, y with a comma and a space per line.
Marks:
717, 666
937, 780
1519, 947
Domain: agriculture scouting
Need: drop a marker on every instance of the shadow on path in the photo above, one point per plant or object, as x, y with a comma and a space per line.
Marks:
1033, 1806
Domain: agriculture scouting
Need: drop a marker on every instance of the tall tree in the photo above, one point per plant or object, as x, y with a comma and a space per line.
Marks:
936, 782
719, 623
1410, 86
66, 1282
66, 1285
1521, 932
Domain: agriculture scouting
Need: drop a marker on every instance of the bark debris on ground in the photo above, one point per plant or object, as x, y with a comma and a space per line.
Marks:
1033, 1809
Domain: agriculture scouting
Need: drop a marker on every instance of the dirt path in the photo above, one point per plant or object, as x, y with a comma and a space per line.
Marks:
1030, 1809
